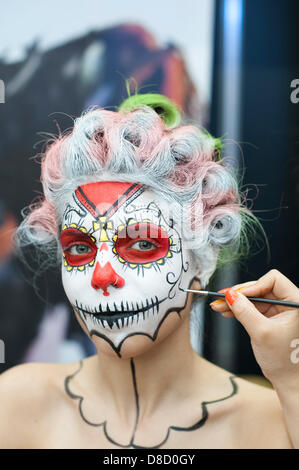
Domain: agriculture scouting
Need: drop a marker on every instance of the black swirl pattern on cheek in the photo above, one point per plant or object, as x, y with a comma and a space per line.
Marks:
184, 268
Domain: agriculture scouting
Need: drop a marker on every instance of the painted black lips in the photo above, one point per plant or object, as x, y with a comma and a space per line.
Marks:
128, 309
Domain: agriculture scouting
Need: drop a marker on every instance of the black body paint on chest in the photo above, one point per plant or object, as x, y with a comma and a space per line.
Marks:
198, 424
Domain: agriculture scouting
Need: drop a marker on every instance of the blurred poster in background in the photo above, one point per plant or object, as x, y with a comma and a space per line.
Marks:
57, 59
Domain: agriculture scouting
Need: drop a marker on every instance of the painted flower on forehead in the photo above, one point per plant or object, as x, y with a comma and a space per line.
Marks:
108, 188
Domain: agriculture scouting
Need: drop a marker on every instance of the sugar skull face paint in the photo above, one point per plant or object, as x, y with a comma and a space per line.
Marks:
123, 261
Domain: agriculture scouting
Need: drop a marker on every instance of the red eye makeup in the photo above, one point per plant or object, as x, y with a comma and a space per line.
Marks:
141, 243
79, 249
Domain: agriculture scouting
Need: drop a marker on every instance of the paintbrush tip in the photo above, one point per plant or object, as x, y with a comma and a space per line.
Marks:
203, 292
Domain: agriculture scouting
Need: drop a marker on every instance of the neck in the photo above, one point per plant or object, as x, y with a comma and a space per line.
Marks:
146, 382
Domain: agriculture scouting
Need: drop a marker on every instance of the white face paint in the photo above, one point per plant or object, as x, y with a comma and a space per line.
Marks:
123, 261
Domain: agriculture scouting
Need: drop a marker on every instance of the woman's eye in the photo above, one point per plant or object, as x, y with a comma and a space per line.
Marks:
79, 250
149, 243
143, 245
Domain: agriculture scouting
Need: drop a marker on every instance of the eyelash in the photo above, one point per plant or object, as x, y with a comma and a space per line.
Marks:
76, 245
154, 245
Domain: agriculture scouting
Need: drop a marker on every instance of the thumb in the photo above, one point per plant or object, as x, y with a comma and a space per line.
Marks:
245, 312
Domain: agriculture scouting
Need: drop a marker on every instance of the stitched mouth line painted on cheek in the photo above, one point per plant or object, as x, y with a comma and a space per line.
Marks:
121, 316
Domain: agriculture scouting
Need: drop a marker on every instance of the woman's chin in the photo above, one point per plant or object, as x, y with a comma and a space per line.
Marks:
138, 344
133, 346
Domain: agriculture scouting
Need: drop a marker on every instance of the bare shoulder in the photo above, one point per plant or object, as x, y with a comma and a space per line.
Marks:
29, 394
260, 420
252, 412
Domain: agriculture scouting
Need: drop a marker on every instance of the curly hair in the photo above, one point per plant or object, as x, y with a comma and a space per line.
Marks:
143, 141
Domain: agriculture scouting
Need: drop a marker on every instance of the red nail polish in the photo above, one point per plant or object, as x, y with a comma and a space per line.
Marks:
231, 296
224, 290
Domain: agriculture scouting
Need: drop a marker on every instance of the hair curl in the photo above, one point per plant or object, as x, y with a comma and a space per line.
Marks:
144, 142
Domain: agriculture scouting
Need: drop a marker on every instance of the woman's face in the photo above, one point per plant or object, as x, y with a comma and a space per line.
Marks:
124, 264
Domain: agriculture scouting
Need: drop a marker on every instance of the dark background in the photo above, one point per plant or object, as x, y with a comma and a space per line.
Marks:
270, 128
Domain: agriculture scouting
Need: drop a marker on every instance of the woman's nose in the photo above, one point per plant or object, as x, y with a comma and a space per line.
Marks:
105, 276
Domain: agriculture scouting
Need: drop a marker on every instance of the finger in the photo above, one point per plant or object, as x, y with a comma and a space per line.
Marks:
245, 312
242, 286
269, 312
274, 285
228, 314
220, 304
272, 311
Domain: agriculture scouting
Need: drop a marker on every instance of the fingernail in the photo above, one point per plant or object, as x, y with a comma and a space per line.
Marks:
231, 296
224, 290
217, 302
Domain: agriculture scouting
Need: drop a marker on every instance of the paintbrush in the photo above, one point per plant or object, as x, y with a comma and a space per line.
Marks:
255, 299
